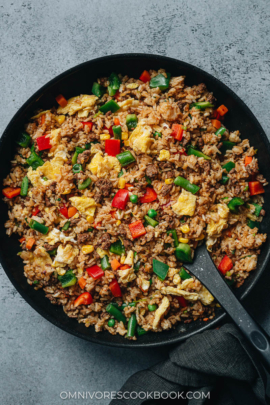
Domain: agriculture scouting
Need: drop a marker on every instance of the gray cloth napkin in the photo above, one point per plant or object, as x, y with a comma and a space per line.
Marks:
217, 363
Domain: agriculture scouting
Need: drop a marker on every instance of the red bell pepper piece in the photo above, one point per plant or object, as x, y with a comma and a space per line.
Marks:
61, 100
11, 192
35, 211
255, 187
117, 95
115, 288
110, 130
112, 147
43, 143
225, 265
96, 225
222, 110
120, 199
145, 76
87, 124
182, 301
181, 152
137, 229
83, 299
149, 196
216, 114
95, 271
177, 132
64, 211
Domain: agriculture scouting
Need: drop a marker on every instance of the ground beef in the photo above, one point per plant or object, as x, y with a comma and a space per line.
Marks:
122, 230
98, 197
74, 221
169, 220
83, 237
52, 186
93, 137
201, 88
49, 247
151, 171
169, 175
166, 189
104, 241
128, 244
211, 98
104, 187
165, 165
47, 201
84, 157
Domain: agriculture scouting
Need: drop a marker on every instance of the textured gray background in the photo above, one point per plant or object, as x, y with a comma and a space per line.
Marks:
40, 39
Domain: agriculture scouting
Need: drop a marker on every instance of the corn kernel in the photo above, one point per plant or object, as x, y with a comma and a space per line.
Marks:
124, 136
103, 137
132, 86
60, 119
101, 252
118, 222
218, 306
90, 219
185, 228
47, 209
168, 181
87, 249
122, 260
76, 215
183, 240
164, 155
60, 271
80, 270
126, 143
121, 183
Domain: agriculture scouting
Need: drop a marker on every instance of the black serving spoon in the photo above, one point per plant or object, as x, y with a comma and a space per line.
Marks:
204, 269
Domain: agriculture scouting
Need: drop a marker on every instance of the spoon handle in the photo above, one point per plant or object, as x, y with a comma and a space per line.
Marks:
215, 283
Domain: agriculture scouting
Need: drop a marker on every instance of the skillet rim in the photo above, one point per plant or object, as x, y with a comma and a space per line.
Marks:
201, 327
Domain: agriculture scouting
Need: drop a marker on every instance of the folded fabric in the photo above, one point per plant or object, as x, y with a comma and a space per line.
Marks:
214, 367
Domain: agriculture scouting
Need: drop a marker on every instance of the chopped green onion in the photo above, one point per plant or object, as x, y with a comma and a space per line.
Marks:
226, 145
137, 265
24, 186
149, 182
220, 131
125, 158
202, 105
246, 188
160, 81
52, 252
174, 236
195, 152
160, 269
258, 209
183, 253
192, 188
66, 226
131, 121
105, 264
77, 168
68, 279
35, 282
24, 140
151, 221
228, 166
98, 90
157, 134
120, 173
84, 184
38, 227
224, 179
183, 274
110, 106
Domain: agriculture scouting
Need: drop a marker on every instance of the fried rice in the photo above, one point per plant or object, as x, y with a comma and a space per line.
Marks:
93, 225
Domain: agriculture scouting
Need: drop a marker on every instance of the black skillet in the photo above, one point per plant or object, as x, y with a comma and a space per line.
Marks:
79, 80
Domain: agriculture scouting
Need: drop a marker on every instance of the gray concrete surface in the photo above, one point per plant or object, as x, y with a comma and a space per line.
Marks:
40, 39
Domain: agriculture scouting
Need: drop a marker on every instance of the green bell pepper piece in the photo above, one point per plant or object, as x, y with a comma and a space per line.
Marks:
117, 132
224, 179
183, 253
160, 269
183, 274
114, 85
201, 105
258, 209
174, 236
253, 224
226, 145
105, 264
24, 140
84, 184
160, 81
117, 248
235, 203
68, 279
109, 106
151, 221
98, 90
34, 160
131, 121
228, 166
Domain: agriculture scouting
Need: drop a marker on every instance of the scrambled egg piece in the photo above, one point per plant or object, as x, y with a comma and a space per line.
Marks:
143, 284
164, 155
165, 303
51, 169
39, 114
78, 103
57, 236
55, 136
84, 205
102, 166
126, 275
186, 204
215, 228
205, 297
125, 105
40, 258
179, 291
65, 255
130, 258
102, 252
140, 139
